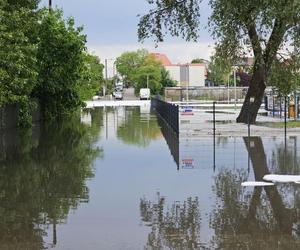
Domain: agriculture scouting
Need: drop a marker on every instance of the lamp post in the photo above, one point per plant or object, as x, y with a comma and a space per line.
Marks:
50, 5
106, 80
147, 81
234, 80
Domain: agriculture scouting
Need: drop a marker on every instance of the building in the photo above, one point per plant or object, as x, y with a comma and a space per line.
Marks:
192, 75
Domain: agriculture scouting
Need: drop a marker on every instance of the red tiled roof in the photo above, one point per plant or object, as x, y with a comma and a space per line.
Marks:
162, 58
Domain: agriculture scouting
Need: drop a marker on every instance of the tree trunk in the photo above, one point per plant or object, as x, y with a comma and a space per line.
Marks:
256, 91
258, 158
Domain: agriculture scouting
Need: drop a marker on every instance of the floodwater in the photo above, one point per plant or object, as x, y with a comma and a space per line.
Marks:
118, 178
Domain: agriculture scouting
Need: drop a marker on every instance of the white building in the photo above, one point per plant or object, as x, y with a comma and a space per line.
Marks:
192, 75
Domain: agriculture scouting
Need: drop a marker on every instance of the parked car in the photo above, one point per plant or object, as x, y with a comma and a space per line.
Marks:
118, 95
144, 94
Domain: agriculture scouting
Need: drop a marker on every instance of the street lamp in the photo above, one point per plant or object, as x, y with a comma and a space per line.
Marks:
234, 80
50, 5
147, 81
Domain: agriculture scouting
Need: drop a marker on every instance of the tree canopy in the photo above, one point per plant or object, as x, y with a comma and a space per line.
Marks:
43, 59
60, 63
219, 70
128, 63
261, 27
92, 76
136, 67
197, 60
18, 25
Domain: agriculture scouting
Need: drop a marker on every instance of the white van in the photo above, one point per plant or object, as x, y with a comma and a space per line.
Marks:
145, 94
119, 86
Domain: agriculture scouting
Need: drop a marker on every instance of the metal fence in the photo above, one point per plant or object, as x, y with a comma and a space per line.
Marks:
220, 94
169, 112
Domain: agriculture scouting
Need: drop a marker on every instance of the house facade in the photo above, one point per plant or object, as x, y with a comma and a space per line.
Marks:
192, 75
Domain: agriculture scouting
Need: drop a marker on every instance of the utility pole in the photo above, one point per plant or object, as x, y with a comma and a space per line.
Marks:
234, 79
50, 5
147, 81
106, 83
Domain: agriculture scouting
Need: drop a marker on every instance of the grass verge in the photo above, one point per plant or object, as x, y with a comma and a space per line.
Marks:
289, 124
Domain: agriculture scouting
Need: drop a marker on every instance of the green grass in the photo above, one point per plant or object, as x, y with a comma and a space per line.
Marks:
289, 124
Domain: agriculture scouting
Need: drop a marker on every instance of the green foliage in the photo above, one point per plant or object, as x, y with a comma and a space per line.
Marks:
135, 66
240, 28
128, 63
92, 77
152, 68
284, 77
180, 18
136, 132
43, 177
197, 60
219, 70
177, 225
17, 55
60, 64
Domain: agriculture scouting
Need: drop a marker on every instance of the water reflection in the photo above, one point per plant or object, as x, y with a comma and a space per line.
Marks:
42, 177
171, 138
175, 227
139, 127
260, 219
285, 159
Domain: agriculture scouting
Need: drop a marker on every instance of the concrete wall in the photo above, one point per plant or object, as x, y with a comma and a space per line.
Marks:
174, 72
196, 75
192, 75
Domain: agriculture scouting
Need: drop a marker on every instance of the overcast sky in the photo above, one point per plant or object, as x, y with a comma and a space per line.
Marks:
111, 28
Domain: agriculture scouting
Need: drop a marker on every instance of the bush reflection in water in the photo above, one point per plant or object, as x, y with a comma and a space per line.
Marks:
42, 176
177, 227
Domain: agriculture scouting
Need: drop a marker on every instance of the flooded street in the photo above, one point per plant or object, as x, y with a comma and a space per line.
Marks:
120, 179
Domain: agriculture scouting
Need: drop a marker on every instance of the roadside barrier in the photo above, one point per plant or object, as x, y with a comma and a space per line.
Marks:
169, 112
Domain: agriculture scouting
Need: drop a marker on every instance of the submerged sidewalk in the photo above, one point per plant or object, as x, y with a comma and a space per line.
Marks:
201, 123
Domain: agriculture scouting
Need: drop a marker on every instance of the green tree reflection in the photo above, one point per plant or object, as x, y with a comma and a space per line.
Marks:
260, 219
42, 176
139, 129
177, 227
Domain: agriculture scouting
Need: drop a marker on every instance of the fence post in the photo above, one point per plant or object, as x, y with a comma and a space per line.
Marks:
214, 136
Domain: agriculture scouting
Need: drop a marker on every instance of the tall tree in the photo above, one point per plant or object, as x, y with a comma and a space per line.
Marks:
18, 25
261, 27
136, 66
128, 63
92, 76
219, 70
151, 69
60, 64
